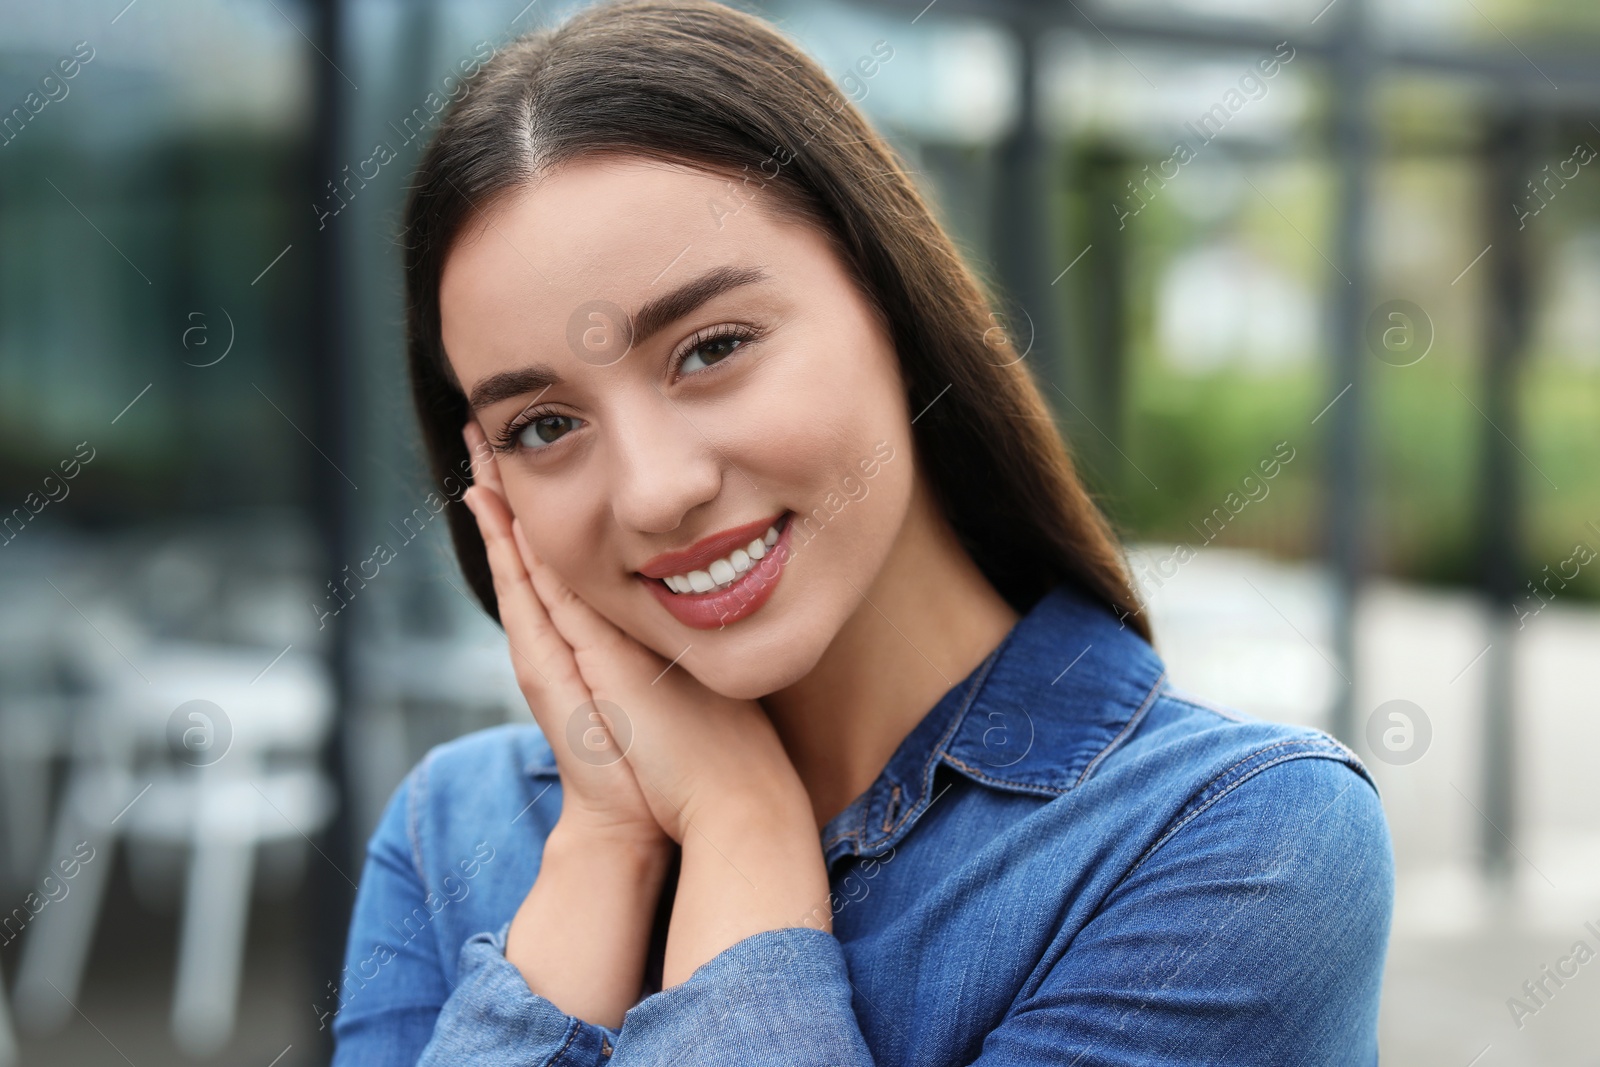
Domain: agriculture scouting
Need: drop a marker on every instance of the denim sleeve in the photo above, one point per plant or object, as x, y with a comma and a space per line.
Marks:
494, 1019
396, 1004
390, 989
1252, 932
778, 998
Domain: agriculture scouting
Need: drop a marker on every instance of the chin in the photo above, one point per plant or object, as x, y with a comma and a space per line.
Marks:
742, 677
780, 651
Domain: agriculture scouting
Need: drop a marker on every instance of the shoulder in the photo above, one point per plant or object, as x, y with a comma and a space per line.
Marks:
1264, 794
1072, 697
495, 784
1222, 744
480, 762
1252, 862
1181, 766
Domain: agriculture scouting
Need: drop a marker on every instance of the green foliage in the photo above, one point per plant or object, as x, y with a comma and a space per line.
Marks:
1197, 436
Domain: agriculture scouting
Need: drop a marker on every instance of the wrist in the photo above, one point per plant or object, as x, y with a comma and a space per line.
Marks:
746, 869
642, 852
581, 934
778, 805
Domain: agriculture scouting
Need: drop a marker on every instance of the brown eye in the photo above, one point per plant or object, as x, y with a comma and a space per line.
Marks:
544, 430
709, 352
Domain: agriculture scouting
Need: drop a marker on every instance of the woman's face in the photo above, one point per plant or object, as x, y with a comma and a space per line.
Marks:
661, 361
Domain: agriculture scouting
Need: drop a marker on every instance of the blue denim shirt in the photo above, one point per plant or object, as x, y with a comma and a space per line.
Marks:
1066, 862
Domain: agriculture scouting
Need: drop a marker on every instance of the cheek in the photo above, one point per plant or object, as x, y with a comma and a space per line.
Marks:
800, 435
565, 535
821, 415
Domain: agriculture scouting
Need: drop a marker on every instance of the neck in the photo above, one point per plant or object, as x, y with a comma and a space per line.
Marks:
928, 620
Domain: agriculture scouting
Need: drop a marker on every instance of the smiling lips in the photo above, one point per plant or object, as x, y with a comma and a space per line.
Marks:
721, 578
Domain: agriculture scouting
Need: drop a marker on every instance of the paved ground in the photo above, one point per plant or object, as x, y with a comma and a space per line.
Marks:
126, 1001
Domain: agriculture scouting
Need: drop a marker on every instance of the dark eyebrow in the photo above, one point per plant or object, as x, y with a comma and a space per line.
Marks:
670, 307
655, 316
512, 383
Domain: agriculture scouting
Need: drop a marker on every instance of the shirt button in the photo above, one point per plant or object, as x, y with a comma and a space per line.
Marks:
605, 1046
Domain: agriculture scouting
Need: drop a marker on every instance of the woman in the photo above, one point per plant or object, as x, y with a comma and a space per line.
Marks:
851, 747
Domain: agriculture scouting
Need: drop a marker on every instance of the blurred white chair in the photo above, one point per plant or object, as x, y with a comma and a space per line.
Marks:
8, 1038
457, 681
199, 745
37, 631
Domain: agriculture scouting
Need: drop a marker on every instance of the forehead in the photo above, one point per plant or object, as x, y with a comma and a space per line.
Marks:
613, 229
612, 232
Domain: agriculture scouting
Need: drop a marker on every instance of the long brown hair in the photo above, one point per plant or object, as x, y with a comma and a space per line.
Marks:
698, 83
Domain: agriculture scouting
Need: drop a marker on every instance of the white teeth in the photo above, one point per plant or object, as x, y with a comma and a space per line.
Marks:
725, 571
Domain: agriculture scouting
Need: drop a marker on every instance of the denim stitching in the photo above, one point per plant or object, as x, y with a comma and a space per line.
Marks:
1133, 721
572, 1035
938, 748
1032, 787
938, 752
1189, 816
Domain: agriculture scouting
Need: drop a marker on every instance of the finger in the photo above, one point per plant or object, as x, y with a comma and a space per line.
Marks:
485, 470
584, 628
560, 696
535, 642
560, 693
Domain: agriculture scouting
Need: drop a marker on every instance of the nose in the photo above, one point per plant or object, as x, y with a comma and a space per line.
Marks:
664, 467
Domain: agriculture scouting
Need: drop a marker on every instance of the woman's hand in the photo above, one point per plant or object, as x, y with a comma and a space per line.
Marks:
693, 751
697, 754
582, 933
713, 773
718, 780
600, 794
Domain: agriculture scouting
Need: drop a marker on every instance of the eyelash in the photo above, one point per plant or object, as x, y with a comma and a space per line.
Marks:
506, 439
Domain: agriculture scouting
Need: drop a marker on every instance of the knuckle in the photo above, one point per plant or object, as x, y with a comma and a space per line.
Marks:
531, 686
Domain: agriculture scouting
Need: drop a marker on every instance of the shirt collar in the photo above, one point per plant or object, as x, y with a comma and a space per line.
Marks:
1060, 691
